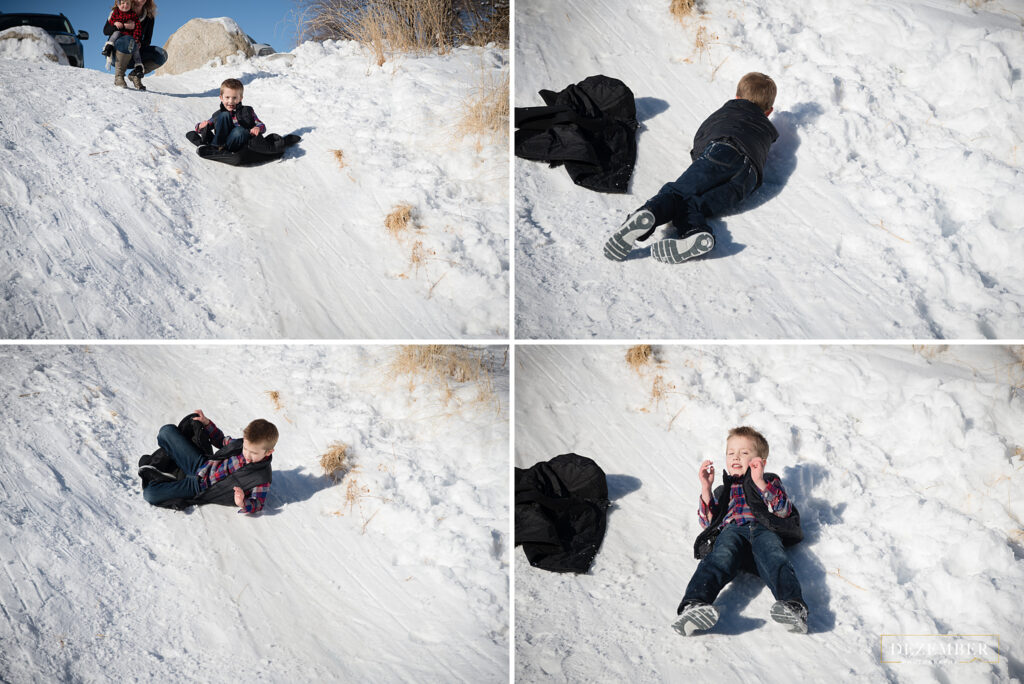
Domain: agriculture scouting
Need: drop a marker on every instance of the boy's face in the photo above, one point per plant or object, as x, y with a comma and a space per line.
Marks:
254, 452
231, 98
739, 451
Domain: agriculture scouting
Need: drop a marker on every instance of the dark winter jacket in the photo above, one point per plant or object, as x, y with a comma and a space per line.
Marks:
244, 115
743, 124
560, 511
247, 477
146, 33
787, 528
590, 127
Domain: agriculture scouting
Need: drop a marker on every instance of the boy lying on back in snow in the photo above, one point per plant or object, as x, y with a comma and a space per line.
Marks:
728, 154
238, 473
748, 519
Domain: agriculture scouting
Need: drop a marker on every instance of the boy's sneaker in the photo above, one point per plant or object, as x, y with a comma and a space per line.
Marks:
696, 617
621, 242
151, 474
683, 249
792, 613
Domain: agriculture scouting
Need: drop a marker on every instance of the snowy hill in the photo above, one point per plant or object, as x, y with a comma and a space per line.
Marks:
906, 466
891, 206
398, 573
112, 226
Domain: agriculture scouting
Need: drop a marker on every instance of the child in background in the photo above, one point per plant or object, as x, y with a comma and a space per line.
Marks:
127, 22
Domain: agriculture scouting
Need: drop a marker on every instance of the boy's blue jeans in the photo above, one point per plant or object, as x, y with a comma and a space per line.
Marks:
719, 179
720, 566
226, 134
188, 459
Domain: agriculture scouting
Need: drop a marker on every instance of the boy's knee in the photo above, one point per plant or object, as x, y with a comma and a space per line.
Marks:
167, 432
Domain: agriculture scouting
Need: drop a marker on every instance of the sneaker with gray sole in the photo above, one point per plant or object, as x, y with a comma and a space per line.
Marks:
683, 249
620, 244
152, 475
792, 613
696, 617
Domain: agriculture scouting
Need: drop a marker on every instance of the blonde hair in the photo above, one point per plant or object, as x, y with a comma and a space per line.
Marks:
757, 88
262, 432
760, 443
232, 84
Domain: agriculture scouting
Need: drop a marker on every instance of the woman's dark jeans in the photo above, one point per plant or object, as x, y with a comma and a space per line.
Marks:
718, 180
152, 56
734, 543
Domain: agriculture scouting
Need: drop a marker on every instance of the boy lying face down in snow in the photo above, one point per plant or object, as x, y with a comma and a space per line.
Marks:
234, 123
728, 154
238, 473
749, 518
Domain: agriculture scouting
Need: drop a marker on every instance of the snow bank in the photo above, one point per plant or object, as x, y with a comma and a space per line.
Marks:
151, 241
397, 573
204, 42
890, 205
30, 44
905, 465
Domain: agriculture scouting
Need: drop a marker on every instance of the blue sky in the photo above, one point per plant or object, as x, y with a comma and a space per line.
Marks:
268, 21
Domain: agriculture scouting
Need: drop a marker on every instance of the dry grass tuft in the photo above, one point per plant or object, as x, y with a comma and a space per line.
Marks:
485, 112
398, 221
442, 365
339, 157
639, 356
681, 9
275, 397
335, 462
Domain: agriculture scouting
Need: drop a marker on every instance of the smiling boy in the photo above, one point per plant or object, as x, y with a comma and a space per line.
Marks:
238, 473
747, 521
234, 123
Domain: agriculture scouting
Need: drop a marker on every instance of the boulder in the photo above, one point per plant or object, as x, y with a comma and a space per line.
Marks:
30, 44
201, 41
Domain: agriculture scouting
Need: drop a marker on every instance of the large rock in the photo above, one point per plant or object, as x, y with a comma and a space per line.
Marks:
201, 41
32, 44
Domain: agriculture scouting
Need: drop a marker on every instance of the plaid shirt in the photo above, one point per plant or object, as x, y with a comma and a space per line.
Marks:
739, 512
124, 18
214, 471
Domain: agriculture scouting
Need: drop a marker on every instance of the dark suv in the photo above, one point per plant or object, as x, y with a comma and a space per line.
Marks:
58, 26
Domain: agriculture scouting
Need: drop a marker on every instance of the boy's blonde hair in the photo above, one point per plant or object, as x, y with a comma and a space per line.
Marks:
757, 88
760, 443
232, 84
262, 432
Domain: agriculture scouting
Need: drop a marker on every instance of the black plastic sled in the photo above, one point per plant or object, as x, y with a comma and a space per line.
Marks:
257, 151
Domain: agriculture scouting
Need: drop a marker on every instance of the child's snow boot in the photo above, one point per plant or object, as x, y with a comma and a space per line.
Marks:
696, 617
120, 66
792, 613
136, 77
638, 225
108, 49
683, 249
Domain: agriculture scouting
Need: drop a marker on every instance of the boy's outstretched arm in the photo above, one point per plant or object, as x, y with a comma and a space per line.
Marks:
254, 502
706, 475
772, 492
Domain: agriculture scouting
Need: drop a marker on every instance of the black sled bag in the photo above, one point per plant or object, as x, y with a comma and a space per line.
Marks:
561, 512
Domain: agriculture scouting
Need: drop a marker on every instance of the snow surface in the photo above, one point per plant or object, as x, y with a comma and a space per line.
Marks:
112, 226
892, 201
31, 44
906, 465
411, 584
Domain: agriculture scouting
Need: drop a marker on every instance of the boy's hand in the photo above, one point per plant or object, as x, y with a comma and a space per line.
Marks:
706, 475
203, 124
255, 130
239, 497
757, 472
201, 417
